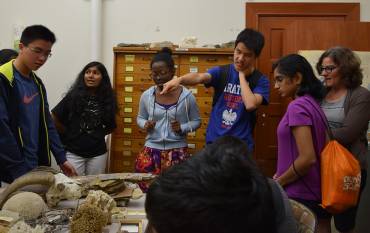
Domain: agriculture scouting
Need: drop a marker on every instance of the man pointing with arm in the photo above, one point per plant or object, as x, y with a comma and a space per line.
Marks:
239, 90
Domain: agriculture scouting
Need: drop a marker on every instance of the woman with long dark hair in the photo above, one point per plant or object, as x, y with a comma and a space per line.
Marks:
85, 116
301, 134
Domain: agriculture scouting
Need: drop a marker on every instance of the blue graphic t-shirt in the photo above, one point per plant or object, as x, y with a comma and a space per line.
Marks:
229, 115
29, 117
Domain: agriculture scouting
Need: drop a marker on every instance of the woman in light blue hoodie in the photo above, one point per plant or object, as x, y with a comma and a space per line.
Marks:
167, 118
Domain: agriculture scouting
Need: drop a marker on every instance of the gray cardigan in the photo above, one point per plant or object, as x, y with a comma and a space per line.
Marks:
352, 134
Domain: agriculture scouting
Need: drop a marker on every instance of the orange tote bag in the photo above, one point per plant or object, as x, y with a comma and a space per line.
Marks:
340, 178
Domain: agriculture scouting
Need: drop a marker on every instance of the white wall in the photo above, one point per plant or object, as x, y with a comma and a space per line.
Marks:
211, 21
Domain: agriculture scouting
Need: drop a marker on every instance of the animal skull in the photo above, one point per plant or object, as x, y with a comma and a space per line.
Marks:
63, 188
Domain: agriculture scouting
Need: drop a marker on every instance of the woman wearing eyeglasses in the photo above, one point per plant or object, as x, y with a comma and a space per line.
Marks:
347, 108
167, 118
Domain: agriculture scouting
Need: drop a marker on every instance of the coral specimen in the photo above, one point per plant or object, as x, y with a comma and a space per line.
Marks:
101, 200
22, 227
88, 219
29, 205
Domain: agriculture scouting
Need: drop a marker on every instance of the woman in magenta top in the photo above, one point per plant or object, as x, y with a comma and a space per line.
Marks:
301, 133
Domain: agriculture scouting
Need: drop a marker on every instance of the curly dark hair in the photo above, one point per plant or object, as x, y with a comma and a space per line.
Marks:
105, 94
349, 65
292, 64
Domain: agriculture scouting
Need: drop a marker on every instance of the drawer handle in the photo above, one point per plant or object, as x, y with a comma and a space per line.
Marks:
191, 146
212, 60
126, 163
127, 143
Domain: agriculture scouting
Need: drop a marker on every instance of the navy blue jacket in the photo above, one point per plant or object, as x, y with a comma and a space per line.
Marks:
12, 164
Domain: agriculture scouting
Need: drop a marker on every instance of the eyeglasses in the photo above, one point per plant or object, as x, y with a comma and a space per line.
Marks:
327, 69
40, 52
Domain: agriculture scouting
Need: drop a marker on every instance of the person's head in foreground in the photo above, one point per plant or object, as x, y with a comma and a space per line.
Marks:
219, 190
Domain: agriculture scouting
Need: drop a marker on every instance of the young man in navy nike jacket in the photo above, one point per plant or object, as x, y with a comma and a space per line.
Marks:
28, 134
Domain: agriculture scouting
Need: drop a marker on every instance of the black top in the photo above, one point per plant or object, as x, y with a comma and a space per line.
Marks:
85, 128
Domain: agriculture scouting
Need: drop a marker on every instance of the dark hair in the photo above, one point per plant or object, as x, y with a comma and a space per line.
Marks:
292, 64
252, 39
218, 190
349, 65
164, 55
37, 32
104, 93
7, 55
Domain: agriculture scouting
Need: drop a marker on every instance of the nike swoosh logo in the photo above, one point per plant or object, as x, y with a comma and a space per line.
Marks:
28, 99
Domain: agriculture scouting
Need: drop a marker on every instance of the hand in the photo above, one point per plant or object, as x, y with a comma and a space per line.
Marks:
68, 169
171, 85
242, 77
278, 179
175, 126
149, 125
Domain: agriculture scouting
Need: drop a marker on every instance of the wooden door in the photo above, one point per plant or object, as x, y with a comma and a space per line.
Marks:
326, 34
276, 22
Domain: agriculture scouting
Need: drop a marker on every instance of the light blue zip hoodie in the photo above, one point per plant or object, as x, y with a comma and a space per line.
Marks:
162, 136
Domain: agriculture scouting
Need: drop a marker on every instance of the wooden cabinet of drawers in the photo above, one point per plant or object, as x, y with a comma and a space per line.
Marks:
131, 79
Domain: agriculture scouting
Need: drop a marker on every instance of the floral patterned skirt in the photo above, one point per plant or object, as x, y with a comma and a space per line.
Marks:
155, 160
151, 160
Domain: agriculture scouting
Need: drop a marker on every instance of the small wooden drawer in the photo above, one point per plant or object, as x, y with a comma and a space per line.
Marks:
136, 89
134, 58
128, 98
128, 68
128, 110
133, 131
130, 154
201, 91
204, 112
133, 69
212, 60
204, 101
140, 58
130, 168
196, 68
135, 143
195, 145
133, 79
199, 134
